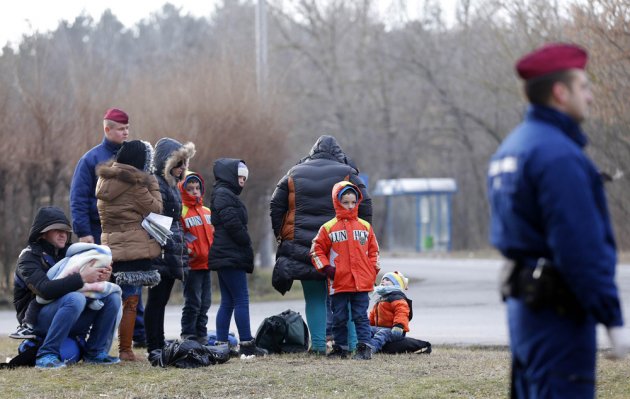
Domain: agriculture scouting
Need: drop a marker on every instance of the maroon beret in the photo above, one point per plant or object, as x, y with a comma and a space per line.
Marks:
116, 115
551, 58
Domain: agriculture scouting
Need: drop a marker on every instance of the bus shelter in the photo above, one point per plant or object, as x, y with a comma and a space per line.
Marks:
417, 213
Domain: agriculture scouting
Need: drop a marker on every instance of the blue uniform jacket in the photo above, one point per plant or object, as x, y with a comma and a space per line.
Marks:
85, 220
547, 200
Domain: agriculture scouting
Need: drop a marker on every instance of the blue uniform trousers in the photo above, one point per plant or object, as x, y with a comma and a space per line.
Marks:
553, 356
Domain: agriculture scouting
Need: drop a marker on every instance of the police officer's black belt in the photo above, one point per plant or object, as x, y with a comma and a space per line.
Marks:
540, 286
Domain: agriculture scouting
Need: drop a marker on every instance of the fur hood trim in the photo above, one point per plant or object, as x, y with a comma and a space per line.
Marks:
149, 278
184, 154
123, 172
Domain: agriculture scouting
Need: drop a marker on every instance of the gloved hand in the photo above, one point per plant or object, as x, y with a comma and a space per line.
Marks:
397, 331
329, 271
618, 342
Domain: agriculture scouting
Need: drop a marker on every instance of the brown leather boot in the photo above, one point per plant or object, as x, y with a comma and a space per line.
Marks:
125, 329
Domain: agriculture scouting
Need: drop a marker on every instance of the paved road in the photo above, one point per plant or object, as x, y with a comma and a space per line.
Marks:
455, 301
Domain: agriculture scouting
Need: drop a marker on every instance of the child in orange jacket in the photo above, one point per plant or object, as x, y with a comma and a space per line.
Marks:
346, 250
199, 235
392, 311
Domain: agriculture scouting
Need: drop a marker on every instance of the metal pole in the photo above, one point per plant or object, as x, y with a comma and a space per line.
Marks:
261, 47
266, 246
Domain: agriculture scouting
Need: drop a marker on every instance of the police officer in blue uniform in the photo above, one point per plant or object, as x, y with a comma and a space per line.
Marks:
550, 220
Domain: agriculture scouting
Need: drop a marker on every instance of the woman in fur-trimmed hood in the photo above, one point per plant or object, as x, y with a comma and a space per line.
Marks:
126, 192
170, 164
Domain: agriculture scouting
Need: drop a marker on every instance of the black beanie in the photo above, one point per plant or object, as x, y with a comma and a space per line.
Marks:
133, 153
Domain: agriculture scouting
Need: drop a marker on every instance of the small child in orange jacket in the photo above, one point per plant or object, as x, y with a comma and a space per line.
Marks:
392, 311
346, 250
199, 235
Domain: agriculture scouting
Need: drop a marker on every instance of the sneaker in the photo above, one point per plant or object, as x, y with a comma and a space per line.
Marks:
49, 362
364, 352
337, 352
23, 332
102, 359
185, 337
202, 339
249, 348
426, 350
330, 341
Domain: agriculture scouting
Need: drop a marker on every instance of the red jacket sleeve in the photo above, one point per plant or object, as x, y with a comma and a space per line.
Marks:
320, 249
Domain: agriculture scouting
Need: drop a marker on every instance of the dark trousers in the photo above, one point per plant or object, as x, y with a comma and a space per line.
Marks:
197, 301
329, 316
234, 300
359, 302
553, 356
154, 313
139, 335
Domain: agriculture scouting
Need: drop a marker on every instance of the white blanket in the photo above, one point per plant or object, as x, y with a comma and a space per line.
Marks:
78, 257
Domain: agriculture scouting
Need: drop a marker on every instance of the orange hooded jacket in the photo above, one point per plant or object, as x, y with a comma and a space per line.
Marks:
198, 229
348, 244
390, 310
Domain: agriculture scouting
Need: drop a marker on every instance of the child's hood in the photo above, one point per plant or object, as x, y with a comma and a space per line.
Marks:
340, 211
226, 173
188, 199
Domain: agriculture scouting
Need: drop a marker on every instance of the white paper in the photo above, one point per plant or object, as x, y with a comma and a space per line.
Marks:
158, 226
160, 220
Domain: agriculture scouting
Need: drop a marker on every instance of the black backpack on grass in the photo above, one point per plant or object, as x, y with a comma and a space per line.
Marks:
283, 333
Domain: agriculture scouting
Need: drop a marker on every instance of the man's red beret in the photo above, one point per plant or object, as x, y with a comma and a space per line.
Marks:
116, 115
551, 58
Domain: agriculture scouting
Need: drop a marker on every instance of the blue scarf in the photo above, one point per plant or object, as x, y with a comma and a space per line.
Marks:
386, 289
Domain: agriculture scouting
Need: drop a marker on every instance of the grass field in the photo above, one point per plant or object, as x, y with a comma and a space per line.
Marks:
448, 372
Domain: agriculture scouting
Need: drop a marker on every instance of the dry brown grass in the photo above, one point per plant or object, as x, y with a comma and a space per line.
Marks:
449, 372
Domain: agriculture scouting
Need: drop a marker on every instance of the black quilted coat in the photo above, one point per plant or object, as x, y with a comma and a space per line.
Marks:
302, 203
232, 246
168, 153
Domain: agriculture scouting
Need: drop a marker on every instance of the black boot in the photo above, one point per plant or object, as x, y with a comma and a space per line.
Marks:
249, 348
337, 353
364, 352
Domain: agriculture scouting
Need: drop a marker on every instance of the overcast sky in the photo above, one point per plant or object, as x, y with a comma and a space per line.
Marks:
29, 16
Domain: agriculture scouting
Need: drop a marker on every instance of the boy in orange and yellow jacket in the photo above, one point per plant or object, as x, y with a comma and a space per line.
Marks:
346, 250
392, 311
199, 235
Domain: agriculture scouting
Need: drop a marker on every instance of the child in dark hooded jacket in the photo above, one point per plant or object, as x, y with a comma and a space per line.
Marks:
231, 254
